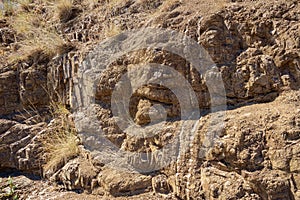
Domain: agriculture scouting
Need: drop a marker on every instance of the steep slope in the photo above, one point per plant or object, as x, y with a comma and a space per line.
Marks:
254, 46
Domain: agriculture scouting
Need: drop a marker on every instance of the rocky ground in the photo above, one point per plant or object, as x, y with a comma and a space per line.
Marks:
255, 47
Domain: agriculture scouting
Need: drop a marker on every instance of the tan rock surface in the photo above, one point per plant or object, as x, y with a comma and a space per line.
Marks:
255, 45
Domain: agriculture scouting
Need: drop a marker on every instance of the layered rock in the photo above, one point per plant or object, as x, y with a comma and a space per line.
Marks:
256, 50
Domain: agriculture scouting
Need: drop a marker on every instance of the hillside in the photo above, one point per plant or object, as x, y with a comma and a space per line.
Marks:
150, 99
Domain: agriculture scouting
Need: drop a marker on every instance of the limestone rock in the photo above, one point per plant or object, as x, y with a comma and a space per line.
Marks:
20, 146
118, 183
218, 184
160, 184
255, 150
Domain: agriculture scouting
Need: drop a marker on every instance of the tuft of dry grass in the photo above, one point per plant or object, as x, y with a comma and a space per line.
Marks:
59, 109
64, 10
49, 41
62, 144
113, 3
112, 30
60, 147
168, 4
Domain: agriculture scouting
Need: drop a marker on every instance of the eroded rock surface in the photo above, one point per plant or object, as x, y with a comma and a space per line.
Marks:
255, 46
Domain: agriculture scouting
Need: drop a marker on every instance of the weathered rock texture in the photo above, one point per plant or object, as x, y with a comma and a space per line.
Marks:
256, 48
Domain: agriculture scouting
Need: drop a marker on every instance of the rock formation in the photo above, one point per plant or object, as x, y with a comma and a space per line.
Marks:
255, 46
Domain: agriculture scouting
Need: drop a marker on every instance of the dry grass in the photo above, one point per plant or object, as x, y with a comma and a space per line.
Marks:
167, 4
38, 38
60, 147
112, 30
91, 3
64, 9
25, 23
59, 109
1, 15
43, 43
25, 4
113, 3
205, 7
62, 144
8, 8
49, 41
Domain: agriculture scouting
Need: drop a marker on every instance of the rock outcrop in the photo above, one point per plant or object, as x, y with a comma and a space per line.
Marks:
255, 47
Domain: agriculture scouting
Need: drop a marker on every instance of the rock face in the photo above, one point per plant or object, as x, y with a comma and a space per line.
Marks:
20, 146
120, 183
249, 150
255, 46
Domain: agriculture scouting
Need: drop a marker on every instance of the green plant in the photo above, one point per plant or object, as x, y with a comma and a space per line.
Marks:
10, 193
11, 186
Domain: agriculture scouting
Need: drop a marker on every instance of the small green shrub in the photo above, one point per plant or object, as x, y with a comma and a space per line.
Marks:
10, 193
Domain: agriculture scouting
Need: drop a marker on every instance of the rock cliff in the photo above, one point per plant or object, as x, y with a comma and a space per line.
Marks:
47, 49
